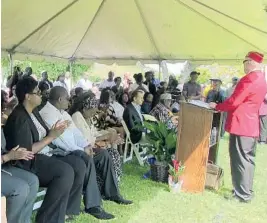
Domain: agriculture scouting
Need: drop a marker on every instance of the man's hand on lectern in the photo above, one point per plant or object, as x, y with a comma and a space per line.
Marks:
212, 105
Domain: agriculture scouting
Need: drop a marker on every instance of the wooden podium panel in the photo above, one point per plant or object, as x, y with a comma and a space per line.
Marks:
193, 145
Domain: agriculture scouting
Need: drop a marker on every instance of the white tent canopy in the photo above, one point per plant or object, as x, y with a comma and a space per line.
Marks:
127, 31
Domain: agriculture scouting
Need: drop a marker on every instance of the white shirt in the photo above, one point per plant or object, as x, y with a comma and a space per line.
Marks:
72, 139
88, 131
118, 108
138, 109
84, 84
134, 86
106, 84
68, 83
42, 133
60, 84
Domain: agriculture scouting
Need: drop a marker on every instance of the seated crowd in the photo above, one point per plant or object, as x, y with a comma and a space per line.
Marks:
71, 142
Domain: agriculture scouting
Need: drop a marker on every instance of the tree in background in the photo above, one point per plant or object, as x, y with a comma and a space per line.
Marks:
225, 73
54, 69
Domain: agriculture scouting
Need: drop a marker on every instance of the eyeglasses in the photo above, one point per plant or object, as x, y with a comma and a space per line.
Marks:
246, 61
36, 93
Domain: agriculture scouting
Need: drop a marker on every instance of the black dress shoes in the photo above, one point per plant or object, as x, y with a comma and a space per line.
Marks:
234, 197
99, 213
120, 200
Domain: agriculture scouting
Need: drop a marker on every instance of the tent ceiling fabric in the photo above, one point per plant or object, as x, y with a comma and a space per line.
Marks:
131, 30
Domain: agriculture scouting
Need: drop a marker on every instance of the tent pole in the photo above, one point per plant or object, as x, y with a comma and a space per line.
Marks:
71, 79
159, 70
10, 62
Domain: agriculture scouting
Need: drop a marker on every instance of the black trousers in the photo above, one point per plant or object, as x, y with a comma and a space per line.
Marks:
242, 152
263, 128
224, 117
63, 177
102, 163
75, 197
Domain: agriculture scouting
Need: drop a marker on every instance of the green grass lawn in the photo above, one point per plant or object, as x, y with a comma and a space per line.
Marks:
153, 202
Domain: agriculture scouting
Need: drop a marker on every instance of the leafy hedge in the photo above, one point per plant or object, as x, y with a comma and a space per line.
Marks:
53, 68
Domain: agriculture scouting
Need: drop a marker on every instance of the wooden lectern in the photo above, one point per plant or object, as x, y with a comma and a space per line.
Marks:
193, 144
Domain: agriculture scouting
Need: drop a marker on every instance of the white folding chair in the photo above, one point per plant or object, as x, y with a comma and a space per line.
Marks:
38, 204
140, 155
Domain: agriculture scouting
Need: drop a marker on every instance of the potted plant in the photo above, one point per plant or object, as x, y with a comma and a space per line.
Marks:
175, 171
163, 145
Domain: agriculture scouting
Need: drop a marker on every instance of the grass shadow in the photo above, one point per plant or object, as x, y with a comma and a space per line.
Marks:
222, 192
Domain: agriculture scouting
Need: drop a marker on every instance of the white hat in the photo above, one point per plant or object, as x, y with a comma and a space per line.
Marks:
166, 96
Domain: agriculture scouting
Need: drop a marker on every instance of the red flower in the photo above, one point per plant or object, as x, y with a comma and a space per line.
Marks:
176, 165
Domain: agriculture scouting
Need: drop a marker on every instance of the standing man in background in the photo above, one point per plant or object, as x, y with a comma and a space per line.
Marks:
231, 89
109, 83
45, 80
216, 94
68, 80
243, 125
191, 89
84, 82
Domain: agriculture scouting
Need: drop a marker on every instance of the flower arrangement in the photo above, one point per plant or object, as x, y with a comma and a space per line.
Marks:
175, 172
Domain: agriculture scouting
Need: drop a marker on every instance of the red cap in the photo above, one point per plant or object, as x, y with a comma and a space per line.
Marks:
258, 57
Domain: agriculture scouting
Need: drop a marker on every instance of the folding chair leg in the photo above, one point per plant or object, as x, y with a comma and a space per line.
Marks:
138, 155
126, 148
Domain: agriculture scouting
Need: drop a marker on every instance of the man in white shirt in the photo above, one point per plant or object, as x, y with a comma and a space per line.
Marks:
84, 83
109, 83
68, 80
73, 140
61, 82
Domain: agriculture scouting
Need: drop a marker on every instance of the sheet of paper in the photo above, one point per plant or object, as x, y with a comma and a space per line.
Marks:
199, 103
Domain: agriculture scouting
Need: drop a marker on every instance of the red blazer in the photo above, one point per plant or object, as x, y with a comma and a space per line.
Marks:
263, 108
244, 104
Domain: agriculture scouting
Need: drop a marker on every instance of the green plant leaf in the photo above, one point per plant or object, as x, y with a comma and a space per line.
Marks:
150, 126
163, 130
171, 140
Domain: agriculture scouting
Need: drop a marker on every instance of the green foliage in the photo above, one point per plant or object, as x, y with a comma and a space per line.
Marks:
225, 73
78, 70
205, 75
5, 62
176, 170
162, 139
54, 69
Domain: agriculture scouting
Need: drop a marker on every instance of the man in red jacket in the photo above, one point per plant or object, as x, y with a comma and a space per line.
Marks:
263, 121
243, 124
